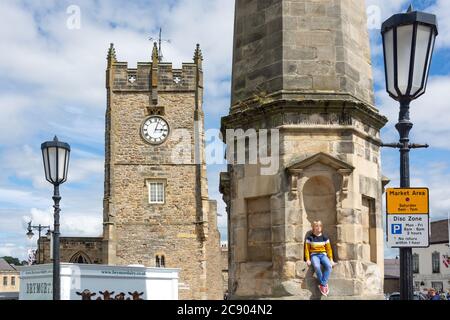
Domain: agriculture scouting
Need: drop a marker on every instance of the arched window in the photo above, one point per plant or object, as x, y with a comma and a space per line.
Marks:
435, 262
415, 263
160, 261
81, 258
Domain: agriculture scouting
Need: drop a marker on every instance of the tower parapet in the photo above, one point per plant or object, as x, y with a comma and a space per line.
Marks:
147, 75
139, 79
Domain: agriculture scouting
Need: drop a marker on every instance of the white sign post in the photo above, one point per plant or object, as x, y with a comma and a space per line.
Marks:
408, 230
408, 218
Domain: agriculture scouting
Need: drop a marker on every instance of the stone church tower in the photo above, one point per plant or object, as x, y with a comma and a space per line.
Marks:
303, 67
156, 206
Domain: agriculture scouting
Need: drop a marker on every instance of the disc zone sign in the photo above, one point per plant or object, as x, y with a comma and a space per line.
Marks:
407, 215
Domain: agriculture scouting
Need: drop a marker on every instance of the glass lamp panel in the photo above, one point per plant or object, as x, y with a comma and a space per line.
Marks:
427, 70
421, 59
404, 44
61, 164
389, 56
52, 153
46, 164
66, 171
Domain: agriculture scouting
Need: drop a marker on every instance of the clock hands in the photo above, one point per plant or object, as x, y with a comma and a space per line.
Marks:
157, 124
157, 130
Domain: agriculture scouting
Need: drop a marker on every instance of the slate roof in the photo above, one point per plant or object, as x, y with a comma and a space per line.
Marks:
439, 232
5, 266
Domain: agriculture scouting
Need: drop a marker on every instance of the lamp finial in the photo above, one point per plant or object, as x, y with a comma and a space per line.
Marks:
55, 139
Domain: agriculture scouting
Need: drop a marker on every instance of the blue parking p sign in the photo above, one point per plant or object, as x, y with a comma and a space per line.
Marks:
396, 229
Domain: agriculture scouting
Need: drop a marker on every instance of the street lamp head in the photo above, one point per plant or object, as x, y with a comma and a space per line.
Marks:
56, 161
408, 43
30, 234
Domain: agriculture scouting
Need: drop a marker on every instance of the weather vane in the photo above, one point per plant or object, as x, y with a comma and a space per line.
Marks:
160, 40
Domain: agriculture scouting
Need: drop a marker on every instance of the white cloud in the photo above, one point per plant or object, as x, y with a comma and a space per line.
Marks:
72, 224
26, 163
442, 10
12, 250
429, 113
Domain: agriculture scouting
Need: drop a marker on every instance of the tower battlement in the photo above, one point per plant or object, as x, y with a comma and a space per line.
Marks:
139, 79
123, 78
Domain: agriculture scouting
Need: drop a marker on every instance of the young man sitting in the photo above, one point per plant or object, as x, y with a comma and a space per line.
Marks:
318, 252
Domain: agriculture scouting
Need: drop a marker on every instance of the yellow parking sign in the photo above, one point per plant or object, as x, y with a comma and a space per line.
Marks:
407, 201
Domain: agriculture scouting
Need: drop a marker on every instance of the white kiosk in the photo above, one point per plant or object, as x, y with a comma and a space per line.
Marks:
154, 283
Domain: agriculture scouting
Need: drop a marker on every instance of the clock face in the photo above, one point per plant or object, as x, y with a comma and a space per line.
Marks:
155, 130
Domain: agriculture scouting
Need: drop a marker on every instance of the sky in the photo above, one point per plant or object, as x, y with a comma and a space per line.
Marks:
52, 69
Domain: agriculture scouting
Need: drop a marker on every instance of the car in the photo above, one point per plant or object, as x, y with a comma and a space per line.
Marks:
396, 296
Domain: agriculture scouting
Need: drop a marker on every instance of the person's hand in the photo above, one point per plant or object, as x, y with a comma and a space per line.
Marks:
333, 264
308, 262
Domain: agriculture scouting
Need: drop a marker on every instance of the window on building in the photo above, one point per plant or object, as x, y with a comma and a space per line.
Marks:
435, 262
415, 263
160, 261
156, 192
438, 286
416, 285
13, 281
5, 281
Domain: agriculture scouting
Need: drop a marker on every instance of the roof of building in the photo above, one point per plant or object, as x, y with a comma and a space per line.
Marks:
9, 295
5, 266
391, 268
439, 231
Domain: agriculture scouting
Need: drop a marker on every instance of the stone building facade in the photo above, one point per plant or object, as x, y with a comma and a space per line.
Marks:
302, 71
74, 250
9, 281
155, 150
225, 267
431, 266
157, 211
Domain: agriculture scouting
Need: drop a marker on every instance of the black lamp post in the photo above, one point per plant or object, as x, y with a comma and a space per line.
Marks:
56, 164
30, 235
408, 42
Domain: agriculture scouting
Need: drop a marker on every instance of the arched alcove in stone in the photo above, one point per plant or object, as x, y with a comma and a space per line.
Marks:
319, 200
81, 258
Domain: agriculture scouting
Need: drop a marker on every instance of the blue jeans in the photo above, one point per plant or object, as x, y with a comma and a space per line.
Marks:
321, 259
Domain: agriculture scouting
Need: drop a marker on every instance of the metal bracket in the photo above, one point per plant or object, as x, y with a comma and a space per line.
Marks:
400, 146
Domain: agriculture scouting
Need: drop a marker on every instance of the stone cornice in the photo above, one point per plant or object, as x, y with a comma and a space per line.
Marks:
270, 114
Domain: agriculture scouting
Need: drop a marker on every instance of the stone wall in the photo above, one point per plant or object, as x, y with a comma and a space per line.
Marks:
309, 62
301, 46
183, 229
72, 248
224, 263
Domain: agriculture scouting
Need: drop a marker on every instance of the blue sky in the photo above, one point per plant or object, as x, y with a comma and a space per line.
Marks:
52, 82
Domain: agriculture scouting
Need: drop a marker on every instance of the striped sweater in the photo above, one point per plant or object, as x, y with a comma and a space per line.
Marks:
318, 244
